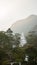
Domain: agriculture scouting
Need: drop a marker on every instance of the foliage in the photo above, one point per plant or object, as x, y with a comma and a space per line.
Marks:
32, 39
17, 54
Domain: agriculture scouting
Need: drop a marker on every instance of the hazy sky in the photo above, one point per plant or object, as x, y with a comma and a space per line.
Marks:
12, 10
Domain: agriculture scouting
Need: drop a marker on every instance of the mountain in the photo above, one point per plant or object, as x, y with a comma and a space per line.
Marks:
25, 25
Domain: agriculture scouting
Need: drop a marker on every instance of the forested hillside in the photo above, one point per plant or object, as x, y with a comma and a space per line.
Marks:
10, 53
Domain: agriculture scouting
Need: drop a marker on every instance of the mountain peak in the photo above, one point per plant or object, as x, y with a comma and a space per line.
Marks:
25, 25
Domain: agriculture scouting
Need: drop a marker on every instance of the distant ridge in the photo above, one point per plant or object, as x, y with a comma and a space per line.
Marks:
25, 25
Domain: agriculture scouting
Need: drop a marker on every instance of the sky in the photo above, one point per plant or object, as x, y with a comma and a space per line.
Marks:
13, 10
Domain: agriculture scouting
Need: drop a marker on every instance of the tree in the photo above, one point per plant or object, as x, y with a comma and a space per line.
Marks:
32, 39
32, 53
3, 56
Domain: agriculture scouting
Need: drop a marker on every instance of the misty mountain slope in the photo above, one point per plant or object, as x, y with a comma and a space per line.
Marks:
25, 25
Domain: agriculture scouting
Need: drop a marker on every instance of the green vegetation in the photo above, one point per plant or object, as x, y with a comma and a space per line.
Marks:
18, 54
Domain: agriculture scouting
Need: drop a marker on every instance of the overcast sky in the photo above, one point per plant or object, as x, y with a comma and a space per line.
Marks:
13, 10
